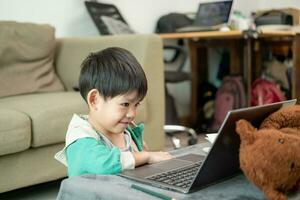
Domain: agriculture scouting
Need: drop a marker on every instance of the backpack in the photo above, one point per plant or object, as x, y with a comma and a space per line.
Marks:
230, 95
205, 99
264, 92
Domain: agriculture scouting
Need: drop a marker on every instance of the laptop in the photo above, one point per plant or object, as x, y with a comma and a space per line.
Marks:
210, 16
191, 171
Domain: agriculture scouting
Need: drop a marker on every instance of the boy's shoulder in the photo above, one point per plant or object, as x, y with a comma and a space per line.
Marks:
79, 127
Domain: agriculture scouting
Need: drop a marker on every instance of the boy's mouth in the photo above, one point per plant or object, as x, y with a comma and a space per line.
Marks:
125, 123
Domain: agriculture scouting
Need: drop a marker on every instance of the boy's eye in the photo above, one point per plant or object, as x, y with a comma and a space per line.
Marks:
137, 104
125, 104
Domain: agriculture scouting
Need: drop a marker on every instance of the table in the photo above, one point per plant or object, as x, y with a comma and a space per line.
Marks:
116, 187
245, 56
94, 187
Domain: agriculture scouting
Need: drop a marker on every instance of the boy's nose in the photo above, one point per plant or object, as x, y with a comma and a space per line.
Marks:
131, 113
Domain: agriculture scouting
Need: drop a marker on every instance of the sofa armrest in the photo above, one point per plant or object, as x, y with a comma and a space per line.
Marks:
148, 50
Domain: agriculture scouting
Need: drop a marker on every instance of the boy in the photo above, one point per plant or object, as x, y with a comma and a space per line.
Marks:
107, 141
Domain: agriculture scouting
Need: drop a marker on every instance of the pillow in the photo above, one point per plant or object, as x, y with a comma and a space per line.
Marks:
26, 59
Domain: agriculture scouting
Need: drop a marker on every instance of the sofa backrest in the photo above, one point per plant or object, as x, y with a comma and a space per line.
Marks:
70, 53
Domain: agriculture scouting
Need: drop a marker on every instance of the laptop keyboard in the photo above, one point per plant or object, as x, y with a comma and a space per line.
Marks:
181, 177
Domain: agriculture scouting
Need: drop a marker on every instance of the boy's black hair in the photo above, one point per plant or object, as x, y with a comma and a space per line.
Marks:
113, 71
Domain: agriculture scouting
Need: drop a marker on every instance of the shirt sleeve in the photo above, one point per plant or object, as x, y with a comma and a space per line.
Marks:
127, 160
89, 156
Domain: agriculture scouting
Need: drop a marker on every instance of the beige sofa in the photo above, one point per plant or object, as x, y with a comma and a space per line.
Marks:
33, 125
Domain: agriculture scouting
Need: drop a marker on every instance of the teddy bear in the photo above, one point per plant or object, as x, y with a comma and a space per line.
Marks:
270, 156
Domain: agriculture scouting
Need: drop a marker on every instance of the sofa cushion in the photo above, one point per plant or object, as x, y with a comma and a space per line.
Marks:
50, 113
26, 59
15, 131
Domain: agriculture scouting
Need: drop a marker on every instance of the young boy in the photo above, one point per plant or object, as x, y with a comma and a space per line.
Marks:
107, 141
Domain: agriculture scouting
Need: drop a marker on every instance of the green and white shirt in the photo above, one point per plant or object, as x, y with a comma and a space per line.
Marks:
88, 151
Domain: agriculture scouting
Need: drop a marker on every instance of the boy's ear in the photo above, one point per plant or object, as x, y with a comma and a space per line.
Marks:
92, 98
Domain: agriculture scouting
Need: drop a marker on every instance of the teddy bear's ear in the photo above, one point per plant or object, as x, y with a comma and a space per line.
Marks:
246, 131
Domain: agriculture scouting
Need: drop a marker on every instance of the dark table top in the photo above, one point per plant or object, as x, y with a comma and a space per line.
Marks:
115, 187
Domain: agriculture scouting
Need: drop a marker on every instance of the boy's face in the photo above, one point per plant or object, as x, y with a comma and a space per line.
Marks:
113, 115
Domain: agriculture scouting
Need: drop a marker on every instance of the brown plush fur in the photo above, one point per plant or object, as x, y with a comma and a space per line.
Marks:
270, 156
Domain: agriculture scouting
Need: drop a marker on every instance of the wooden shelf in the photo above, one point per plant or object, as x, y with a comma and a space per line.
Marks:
242, 55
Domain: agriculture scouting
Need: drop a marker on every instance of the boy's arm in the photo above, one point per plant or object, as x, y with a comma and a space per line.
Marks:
145, 146
141, 157
144, 157
87, 155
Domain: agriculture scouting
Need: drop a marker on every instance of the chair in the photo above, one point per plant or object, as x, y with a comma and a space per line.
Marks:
109, 21
172, 127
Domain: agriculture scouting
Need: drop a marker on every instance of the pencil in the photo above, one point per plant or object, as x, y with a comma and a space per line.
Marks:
133, 123
150, 192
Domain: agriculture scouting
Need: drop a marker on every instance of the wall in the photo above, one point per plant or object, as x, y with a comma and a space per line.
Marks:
69, 17
267, 4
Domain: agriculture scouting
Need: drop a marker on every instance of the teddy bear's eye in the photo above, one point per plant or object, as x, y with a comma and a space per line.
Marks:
292, 165
281, 141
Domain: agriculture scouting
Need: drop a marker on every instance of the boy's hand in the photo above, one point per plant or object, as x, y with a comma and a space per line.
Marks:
150, 157
158, 156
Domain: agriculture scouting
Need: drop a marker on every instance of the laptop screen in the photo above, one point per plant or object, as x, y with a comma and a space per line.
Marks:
213, 13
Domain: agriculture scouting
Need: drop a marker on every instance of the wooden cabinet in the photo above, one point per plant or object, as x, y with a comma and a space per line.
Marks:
245, 53
273, 41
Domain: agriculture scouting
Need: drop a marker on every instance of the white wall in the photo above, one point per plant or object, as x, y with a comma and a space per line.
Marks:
268, 4
71, 18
